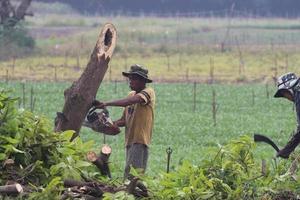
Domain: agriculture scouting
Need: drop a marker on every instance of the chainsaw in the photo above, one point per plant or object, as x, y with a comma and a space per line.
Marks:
97, 120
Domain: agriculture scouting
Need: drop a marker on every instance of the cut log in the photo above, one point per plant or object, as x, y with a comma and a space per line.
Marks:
132, 185
101, 161
79, 97
74, 195
71, 183
8, 163
14, 189
137, 188
93, 191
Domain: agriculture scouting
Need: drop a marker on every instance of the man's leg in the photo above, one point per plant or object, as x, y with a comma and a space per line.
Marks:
137, 157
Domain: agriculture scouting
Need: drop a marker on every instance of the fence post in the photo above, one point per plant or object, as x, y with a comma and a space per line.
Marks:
78, 60
195, 93
66, 59
286, 62
253, 97
7, 77
267, 90
32, 99
212, 70
55, 73
187, 74
110, 74
214, 107
13, 66
23, 92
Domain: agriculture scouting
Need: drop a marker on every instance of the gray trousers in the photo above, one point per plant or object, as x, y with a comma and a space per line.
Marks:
136, 157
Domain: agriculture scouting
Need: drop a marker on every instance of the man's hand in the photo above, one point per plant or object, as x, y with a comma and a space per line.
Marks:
98, 104
282, 154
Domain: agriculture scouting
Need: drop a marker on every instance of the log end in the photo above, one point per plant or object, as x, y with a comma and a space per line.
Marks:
19, 188
107, 41
91, 156
106, 149
8, 163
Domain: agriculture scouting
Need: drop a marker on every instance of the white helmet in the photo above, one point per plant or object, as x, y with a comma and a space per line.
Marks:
286, 82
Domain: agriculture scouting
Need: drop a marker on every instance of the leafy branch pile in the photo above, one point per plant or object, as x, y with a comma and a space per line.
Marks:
37, 163
232, 173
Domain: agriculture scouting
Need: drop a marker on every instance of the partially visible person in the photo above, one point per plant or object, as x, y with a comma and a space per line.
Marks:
138, 118
289, 88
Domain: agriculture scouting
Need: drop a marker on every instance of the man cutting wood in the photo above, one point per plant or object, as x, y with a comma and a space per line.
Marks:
289, 88
138, 118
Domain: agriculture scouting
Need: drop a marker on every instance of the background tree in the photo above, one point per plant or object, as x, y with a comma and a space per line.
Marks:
13, 35
11, 15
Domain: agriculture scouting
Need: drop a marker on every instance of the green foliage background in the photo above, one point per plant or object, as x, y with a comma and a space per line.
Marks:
242, 110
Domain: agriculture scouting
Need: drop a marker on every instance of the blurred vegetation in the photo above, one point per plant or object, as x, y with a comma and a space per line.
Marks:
174, 49
52, 8
15, 41
188, 7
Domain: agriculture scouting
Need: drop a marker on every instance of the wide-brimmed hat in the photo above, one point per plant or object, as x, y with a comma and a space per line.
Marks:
286, 82
138, 70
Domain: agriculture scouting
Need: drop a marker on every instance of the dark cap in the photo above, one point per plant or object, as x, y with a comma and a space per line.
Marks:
286, 82
138, 70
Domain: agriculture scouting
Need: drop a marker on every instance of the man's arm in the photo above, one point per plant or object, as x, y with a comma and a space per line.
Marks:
121, 102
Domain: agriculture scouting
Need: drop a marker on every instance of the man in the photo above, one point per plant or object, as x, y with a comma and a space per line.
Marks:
289, 88
138, 118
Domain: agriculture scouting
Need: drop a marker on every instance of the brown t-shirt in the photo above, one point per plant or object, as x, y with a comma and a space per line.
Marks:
139, 118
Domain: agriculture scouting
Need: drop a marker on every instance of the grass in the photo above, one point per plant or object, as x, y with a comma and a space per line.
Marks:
189, 132
192, 67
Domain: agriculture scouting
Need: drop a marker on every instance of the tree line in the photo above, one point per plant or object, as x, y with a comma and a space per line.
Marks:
283, 8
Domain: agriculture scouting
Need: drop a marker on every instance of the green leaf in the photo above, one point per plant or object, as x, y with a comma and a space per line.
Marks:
81, 164
10, 148
2, 156
55, 169
67, 135
9, 139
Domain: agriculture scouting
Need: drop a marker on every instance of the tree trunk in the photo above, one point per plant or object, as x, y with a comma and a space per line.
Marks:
101, 161
21, 11
79, 97
72, 183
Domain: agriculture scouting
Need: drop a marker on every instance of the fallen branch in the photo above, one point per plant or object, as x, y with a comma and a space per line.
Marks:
137, 188
13, 189
72, 183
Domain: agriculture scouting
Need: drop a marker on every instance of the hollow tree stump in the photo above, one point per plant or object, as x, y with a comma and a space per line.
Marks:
101, 161
79, 97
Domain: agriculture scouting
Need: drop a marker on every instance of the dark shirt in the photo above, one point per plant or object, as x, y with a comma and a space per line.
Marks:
297, 106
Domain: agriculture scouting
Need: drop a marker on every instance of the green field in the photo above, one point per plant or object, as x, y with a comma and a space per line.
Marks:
186, 127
